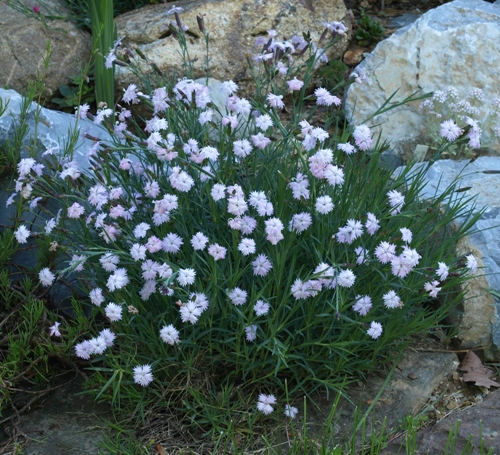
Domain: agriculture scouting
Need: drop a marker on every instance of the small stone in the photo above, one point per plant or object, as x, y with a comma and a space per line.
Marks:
452, 405
354, 56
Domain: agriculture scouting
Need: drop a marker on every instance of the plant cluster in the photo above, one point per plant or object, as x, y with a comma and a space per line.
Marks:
249, 243
369, 30
452, 117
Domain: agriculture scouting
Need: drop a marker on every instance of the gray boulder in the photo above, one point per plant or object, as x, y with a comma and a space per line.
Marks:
23, 42
233, 26
479, 323
456, 44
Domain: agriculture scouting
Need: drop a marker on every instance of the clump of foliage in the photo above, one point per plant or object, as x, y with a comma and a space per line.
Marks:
369, 30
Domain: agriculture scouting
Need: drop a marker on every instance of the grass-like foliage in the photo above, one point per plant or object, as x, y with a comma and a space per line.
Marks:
243, 251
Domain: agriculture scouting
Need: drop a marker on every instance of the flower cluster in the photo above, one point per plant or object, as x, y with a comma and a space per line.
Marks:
258, 239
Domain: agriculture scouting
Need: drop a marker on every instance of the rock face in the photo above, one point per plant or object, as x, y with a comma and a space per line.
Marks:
23, 43
233, 26
456, 44
479, 324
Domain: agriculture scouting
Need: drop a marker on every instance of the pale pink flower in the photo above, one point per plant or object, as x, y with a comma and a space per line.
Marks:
22, 233
206, 116
471, 263
172, 243
117, 280
261, 308
138, 252
392, 300
251, 332
199, 241
154, 244
385, 252
109, 261
291, 411
46, 277
443, 271
78, 262
300, 289
450, 130
237, 296
130, 93
263, 122
406, 235
190, 312
361, 255
141, 230
299, 186
247, 225
265, 402
236, 205
295, 84
143, 375
275, 101
396, 201
325, 98
217, 252
247, 246
83, 350
229, 87
324, 204
149, 269
218, 191
362, 137
371, 224
261, 265
113, 312
260, 141
362, 305
108, 336
75, 211
169, 334
96, 296
400, 266
334, 175
54, 330
186, 276
347, 148
242, 148
375, 330
300, 222
432, 288
346, 278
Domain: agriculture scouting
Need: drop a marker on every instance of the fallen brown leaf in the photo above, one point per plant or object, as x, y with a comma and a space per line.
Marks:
476, 372
160, 449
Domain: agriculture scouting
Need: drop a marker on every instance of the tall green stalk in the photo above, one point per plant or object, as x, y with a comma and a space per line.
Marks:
103, 38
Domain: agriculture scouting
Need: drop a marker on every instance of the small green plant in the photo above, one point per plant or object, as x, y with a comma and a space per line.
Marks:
80, 91
369, 30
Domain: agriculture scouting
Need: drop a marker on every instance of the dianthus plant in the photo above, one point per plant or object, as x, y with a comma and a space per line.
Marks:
468, 122
258, 240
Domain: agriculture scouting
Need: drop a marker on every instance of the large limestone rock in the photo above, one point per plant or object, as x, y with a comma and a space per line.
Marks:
23, 43
233, 26
479, 322
456, 44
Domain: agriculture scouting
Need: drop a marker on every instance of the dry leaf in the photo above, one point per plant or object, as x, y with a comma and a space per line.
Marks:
160, 449
476, 372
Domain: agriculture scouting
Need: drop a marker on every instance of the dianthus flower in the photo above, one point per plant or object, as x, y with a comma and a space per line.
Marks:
260, 141
325, 98
471, 263
391, 300
396, 201
247, 246
172, 243
264, 403
217, 252
96, 296
109, 261
362, 137
251, 332
375, 330
263, 122
143, 375
118, 280
218, 191
199, 241
275, 101
113, 312
186, 276
450, 130
442, 271
108, 336
169, 334
237, 296
347, 148
346, 278
190, 312
432, 288
138, 252
291, 411
22, 233
46, 277
75, 211
261, 308
261, 265
295, 84
324, 204
385, 252
362, 305
300, 222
